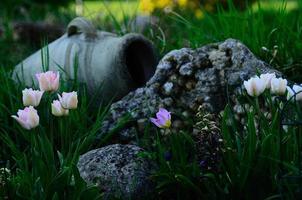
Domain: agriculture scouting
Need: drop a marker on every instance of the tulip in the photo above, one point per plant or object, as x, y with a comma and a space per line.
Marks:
295, 91
27, 118
163, 119
57, 109
278, 86
267, 79
48, 81
69, 100
31, 97
254, 86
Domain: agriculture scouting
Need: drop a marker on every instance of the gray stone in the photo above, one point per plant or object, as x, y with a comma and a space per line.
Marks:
118, 170
186, 70
168, 88
217, 72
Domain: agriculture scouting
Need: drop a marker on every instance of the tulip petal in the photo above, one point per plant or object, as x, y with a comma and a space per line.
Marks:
155, 121
21, 122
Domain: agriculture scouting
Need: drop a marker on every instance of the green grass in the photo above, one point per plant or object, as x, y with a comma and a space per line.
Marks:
275, 5
95, 9
278, 30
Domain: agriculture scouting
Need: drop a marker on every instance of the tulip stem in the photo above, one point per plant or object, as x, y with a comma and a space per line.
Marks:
61, 134
257, 106
49, 116
66, 132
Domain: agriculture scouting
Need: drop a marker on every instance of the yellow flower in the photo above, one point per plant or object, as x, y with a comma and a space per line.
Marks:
182, 3
147, 6
199, 14
163, 3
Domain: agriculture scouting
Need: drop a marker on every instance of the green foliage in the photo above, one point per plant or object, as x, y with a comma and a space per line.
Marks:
259, 153
260, 158
43, 161
279, 30
14, 6
178, 173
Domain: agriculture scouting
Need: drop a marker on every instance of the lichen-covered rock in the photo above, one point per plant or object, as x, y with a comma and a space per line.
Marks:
118, 170
185, 79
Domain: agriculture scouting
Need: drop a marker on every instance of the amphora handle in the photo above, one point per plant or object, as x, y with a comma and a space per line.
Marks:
81, 25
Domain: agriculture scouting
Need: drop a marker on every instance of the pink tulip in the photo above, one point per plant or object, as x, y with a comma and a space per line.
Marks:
27, 118
163, 119
31, 97
69, 100
48, 81
58, 110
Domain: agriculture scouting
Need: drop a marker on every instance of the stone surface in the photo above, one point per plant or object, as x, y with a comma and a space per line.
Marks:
185, 79
118, 170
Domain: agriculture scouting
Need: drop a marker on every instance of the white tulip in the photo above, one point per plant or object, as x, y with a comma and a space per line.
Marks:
278, 86
296, 90
69, 100
31, 97
57, 109
267, 79
254, 86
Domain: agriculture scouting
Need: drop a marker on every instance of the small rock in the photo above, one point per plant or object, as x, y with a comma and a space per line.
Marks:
118, 170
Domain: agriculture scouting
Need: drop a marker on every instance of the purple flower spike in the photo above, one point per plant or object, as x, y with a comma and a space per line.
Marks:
163, 118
